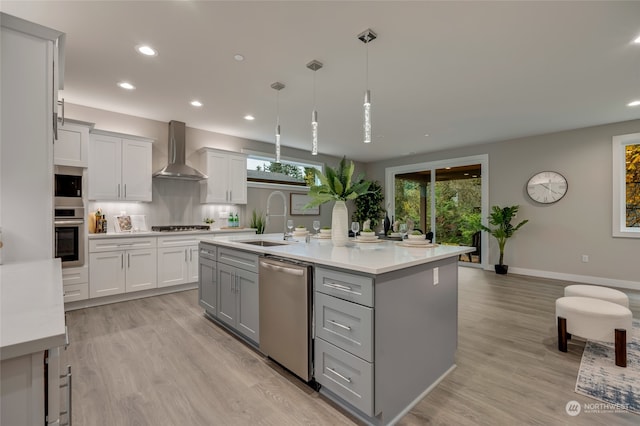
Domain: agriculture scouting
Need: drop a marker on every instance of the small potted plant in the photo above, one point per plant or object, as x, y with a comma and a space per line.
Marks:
502, 230
209, 221
257, 222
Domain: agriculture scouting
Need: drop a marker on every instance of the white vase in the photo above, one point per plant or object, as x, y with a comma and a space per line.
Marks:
340, 224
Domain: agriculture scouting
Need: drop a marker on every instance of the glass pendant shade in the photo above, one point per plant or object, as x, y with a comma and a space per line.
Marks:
278, 143
367, 117
314, 133
278, 87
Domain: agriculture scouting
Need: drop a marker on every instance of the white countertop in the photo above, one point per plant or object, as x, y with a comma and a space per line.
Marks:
215, 231
31, 307
370, 258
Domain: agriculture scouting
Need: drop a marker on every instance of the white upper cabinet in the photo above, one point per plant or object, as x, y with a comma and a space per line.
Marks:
119, 168
72, 146
227, 177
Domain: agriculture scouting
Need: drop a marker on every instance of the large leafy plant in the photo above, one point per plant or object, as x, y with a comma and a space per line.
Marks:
369, 206
337, 185
501, 218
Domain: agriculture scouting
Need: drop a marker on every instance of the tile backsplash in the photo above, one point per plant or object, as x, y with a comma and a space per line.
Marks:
175, 202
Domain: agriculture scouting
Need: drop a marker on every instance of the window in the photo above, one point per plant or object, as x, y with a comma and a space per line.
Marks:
626, 185
290, 171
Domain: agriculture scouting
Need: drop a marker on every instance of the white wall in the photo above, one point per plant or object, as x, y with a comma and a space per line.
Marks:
552, 243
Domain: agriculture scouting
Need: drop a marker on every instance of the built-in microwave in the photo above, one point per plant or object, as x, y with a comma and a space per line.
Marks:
68, 186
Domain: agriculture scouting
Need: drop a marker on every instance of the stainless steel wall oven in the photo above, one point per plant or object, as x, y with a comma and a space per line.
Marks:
69, 235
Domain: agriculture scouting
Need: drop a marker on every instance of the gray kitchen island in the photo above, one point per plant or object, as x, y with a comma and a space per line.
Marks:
385, 314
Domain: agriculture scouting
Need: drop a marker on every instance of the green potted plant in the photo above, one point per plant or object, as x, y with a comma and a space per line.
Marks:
369, 206
502, 230
337, 185
257, 221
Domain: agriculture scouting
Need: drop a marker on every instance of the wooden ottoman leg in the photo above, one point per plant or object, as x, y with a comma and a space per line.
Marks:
621, 347
562, 334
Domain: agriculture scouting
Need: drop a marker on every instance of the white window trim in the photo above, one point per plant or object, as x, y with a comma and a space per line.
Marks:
619, 144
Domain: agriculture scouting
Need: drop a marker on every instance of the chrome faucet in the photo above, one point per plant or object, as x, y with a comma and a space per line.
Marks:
284, 215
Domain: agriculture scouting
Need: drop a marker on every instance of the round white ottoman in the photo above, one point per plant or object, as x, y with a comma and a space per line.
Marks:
597, 292
594, 319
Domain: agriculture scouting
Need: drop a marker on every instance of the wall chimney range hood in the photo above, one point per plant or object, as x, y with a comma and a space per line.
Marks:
177, 168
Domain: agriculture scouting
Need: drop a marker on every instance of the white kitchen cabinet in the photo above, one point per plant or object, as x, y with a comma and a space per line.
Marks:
72, 146
177, 260
31, 64
122, 265
227, 177
76, 283
119, 167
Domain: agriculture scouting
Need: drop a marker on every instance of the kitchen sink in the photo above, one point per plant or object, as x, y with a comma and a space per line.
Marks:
262, 243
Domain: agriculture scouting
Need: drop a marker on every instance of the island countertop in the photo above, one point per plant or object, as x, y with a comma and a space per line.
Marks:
32, 307
371, 258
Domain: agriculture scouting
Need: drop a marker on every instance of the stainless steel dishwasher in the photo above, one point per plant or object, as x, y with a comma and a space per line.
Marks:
285, 314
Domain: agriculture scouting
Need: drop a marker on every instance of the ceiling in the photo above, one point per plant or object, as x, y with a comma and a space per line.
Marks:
461, 72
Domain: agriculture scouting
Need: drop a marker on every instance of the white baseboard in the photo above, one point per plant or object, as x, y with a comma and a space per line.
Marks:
584, 279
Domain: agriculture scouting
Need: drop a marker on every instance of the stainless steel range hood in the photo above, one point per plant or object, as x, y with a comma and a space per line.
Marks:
177, 168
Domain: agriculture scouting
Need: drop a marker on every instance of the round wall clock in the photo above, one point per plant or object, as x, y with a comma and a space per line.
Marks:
547, 187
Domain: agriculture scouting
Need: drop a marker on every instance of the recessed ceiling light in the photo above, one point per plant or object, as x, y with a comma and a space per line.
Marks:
426, 135
146, 50
634, 103
249, 117
238, 57
126, 85
196, 103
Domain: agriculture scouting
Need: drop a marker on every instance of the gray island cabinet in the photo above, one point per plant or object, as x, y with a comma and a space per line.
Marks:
386, 320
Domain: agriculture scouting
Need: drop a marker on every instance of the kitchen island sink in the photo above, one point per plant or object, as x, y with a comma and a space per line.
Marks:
263, 243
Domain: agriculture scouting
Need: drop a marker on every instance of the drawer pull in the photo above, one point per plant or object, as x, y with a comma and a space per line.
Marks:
337, 324
340, 287
346, 379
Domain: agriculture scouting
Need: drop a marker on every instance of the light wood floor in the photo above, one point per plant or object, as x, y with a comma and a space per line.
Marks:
158, 361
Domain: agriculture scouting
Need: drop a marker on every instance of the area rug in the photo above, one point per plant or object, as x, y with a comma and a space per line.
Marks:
600, 378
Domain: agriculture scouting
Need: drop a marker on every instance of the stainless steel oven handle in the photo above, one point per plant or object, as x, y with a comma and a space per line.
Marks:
72, 222
290, 271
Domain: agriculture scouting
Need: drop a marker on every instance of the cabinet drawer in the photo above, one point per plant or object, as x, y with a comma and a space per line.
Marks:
347, 325
182, 240
239, 259
354, 288
111, 244
347, 376
73, 292
75, 275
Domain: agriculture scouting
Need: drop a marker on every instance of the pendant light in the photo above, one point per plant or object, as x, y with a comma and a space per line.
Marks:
367, 36
314, 66
278, 87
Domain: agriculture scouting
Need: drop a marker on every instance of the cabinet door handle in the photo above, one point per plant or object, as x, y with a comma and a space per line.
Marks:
346, 379
337, 324
121, 260
61, 103
129, 260
185, 255
118, 190
190, 255
230, 195
125, 190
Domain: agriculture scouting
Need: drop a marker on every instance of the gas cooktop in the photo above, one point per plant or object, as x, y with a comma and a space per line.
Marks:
178, 228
